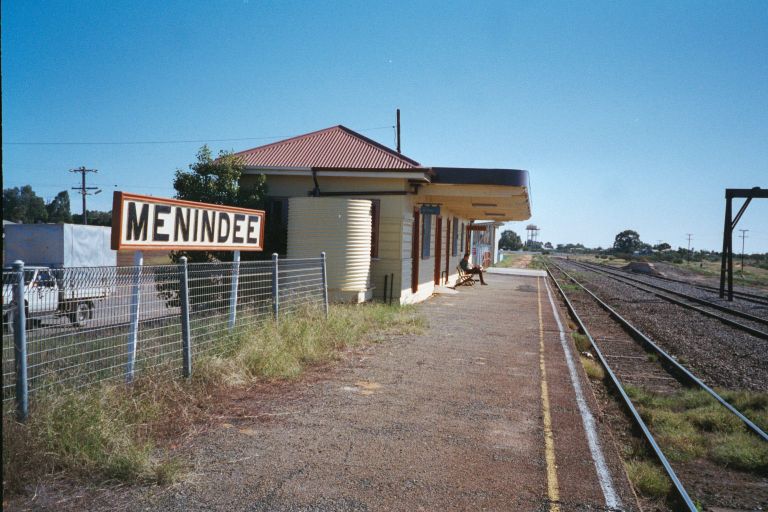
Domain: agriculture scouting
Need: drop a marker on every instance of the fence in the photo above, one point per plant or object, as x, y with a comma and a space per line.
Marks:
85, 325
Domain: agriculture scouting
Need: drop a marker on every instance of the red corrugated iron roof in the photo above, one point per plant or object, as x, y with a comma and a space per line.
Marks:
334, 147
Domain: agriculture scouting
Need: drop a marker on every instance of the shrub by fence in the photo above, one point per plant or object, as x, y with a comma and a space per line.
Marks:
85, 325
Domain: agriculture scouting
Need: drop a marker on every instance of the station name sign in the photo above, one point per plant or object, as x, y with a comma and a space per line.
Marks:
154, 223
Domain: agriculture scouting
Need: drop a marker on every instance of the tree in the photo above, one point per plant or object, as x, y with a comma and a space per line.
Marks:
662, 247
58, 209
218, 182
628, 241
548, 245
510, 241
95, 218
23, 205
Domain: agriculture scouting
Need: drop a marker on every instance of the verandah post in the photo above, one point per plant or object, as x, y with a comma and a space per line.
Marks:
20, 343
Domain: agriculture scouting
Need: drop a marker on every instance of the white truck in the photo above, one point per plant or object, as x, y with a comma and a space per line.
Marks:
68, 270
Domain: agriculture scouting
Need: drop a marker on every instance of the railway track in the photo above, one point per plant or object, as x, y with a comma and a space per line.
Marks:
748, 297
747, 322
633, 361
746, 301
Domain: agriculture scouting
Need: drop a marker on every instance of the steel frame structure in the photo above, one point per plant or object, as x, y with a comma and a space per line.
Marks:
726, 265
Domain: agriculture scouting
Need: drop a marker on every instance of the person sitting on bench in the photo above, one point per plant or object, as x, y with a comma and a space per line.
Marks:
471, 269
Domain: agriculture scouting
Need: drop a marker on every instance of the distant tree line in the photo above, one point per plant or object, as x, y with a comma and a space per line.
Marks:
628, 245
23, 205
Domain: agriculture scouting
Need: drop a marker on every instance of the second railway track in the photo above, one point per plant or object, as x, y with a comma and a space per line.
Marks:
646, 375
754, 324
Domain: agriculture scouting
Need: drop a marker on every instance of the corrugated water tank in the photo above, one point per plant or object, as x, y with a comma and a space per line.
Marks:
342, 228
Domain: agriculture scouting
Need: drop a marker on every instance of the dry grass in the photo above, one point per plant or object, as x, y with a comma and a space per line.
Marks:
593, 369
116, 433
649, 479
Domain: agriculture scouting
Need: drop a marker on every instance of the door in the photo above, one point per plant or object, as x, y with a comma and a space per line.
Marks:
415, 252
447, 249
43, 295
438, 247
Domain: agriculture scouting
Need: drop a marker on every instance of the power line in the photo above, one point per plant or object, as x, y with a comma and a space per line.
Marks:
140, 142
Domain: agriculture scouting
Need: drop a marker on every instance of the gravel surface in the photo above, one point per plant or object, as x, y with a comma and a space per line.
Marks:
747, 306
718, 354
448, 420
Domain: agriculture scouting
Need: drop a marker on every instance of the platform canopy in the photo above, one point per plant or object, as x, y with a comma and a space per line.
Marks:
479, 194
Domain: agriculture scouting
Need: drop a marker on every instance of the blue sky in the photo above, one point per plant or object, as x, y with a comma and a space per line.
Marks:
628, 115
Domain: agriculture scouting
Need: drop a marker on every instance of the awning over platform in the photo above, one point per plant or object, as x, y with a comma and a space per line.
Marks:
479, 194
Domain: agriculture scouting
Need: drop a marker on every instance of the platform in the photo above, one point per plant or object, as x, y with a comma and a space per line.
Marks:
479, 412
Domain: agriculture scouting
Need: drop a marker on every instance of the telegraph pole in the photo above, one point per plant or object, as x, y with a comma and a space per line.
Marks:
689, 235
83, 190
743, 236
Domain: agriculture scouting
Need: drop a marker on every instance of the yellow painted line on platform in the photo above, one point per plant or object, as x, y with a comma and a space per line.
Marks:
553, 489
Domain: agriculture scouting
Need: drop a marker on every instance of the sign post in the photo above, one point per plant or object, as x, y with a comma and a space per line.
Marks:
147, 223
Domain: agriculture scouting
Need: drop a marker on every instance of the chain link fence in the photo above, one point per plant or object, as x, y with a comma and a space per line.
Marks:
86, 325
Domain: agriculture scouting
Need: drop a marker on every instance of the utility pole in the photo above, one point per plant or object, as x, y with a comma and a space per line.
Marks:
689, 235
83, 190
743, 236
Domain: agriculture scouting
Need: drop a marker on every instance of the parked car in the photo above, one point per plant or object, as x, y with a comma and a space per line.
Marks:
58, 292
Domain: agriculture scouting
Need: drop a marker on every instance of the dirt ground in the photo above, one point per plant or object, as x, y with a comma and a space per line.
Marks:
516, 261
448, 420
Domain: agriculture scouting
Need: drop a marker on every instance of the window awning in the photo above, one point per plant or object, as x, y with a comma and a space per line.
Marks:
479, 194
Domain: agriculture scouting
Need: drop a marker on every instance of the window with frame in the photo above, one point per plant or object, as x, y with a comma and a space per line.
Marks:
277, 210
455, 242
426, 235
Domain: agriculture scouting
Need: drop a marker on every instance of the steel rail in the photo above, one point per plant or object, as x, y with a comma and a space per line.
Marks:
724, 309
682, 494
669, 363
751, 330
749, 297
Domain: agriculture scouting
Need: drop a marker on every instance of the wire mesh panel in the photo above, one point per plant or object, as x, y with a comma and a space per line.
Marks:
80, 320
301, 284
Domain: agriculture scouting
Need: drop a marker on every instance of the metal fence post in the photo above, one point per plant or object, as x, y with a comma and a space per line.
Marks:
275, 288
186, 341
138, 262
233, 294
325, 284
20, 343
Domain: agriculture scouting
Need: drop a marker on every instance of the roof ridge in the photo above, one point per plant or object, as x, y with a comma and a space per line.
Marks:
289, 139
348, 131
379, 145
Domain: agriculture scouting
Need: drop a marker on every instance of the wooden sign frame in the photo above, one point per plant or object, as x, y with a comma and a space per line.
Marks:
203, 220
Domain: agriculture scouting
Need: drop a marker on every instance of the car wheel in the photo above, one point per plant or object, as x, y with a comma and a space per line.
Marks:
81, 315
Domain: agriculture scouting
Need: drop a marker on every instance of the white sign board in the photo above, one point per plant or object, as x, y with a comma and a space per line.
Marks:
153, 223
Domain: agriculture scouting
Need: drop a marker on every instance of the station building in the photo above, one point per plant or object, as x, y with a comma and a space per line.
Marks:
380, 216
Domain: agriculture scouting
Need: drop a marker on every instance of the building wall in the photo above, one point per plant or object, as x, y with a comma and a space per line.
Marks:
395, 231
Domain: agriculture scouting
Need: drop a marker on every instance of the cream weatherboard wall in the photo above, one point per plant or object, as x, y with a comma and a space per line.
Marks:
395, 230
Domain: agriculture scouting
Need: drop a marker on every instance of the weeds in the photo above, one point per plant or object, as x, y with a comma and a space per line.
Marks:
741, 450
692, 424
581, 341
649, 479
111, 432
593, 369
